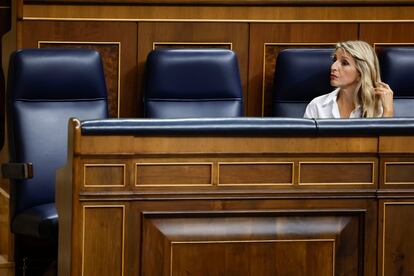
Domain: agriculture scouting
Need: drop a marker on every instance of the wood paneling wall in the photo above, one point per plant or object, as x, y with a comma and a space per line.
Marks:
255, 29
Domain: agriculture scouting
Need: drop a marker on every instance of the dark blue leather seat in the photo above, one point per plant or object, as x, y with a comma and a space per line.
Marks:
397, 66
192, 83
300, 76
45, 88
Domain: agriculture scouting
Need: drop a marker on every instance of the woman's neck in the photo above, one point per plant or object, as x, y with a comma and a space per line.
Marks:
346, 101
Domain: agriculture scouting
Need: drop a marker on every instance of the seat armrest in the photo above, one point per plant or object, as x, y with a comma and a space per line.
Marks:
17, 170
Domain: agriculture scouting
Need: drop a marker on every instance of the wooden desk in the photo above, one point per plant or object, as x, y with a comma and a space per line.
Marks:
236, 205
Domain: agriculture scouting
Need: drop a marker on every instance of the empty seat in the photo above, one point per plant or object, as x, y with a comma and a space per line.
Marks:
45, 88
192, 83
397, 67
300, 76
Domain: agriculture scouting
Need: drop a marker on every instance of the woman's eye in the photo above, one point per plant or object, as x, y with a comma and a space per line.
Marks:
344, 62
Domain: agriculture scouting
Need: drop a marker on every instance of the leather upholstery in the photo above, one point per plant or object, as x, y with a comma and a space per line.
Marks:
250, 126
184, 83
300, 76
397, 66
365, 127
197, 126
45, 88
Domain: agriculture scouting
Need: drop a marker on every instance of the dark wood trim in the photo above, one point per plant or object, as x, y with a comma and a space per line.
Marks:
231, 2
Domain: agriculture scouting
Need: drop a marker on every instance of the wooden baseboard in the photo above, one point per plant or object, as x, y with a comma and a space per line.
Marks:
6, 267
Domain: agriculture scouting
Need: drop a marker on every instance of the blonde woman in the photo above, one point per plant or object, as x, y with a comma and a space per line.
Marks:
360, 92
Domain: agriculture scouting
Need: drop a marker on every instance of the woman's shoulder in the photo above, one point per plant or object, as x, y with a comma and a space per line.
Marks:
325, 98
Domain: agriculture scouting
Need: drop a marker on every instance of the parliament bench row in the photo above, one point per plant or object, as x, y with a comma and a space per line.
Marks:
48, 86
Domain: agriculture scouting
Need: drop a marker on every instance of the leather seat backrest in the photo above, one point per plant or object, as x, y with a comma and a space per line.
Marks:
397, 67
300, 76
192, 83
45, 88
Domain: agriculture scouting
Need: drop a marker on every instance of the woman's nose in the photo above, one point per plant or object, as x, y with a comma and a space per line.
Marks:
334, 66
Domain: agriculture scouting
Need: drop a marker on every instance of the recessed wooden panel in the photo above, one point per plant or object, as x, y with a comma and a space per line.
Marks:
164, 174
110, 55
271, 52
398, 244
278, 257
395, 32
104, 175
252, 244
4, 222
116, 41
218, 45
255, 173
189, 34
325, 173
399, 173
103, 232
262, 58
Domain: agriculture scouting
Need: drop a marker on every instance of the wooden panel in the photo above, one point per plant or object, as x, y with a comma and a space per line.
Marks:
110, 55
231, 2
103, 232
255, 173
236, 13
173, 174
322, 173
398, 244
399, 173
235, 34
262, 59
387, 32
259, 145
396, 144
308, 257
310, 244
106, 37
104, 175
4, 223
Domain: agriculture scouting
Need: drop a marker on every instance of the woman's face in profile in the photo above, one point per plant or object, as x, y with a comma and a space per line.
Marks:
343, 70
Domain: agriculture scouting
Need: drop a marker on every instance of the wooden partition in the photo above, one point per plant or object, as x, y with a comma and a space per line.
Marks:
125, 31
6, 266
236, 205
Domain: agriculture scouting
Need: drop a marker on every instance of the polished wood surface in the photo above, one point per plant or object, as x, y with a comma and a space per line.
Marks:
244, 197
396, 241
116, 41
267, 40
6, 263
234, 36
235, 2
267, 181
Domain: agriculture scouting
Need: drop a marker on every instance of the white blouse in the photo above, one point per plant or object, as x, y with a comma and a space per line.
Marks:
326, 107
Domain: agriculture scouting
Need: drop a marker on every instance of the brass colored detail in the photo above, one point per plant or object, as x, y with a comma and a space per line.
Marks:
83, 232
111, 60
386, 164
226, 45
270, 53
4, 193
222, 164
165, 165
338, 162
252, 241
383, 227
108, 19
381, 44
123, 166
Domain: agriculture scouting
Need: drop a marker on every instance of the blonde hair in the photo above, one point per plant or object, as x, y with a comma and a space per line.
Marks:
366, 62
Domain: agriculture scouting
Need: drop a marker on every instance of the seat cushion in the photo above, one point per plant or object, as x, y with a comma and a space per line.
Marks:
40, 221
